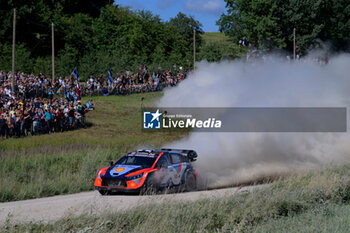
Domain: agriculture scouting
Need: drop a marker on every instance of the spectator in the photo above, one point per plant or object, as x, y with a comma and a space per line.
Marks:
32, 107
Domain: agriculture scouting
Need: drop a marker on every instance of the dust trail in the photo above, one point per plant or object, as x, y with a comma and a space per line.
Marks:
231, 158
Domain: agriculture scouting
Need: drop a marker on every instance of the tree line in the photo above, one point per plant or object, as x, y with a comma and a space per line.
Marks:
94, 35
269, 24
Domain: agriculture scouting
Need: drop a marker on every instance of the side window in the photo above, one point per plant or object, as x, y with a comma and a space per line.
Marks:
163, 161
175, 158
184, 159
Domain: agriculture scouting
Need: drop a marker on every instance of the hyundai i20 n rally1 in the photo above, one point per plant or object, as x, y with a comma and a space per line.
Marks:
149, 171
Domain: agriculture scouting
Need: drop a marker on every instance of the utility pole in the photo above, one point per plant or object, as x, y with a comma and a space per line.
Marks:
13, 51
194, 49
53, 51
294, 44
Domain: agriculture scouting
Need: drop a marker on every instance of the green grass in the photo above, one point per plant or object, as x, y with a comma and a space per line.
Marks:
214, 37
67, 162
41, 175
318, 201
328, 218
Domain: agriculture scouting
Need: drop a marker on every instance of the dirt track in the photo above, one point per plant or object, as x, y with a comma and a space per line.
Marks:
53, 208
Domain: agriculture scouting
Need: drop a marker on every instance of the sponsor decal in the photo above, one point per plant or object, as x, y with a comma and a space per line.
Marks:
145, 155
119, 169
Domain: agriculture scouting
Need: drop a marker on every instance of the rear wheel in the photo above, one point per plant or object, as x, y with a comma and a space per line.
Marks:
190, 182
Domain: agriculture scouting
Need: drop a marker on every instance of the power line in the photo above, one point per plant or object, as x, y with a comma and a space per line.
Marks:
194, 49
53, 51
13, 49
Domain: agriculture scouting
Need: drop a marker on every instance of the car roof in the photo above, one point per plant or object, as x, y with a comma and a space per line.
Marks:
191, 155
156, 151
152, 153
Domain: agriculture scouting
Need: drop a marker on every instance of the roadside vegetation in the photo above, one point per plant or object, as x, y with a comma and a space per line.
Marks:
67, 162
317, 201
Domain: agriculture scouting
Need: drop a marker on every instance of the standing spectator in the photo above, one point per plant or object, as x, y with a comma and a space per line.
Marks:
3, 125
36, 122
47, 116
26, 122
71, 116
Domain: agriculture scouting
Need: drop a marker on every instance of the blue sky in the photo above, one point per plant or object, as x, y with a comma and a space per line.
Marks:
205, 11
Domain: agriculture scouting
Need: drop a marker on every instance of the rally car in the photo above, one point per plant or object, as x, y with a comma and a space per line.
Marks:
149, 171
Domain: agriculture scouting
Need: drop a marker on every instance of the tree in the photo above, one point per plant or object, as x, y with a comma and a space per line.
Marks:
24, 63
220, 50
185, 25
254, 19
34, 18
94, 37
269, 24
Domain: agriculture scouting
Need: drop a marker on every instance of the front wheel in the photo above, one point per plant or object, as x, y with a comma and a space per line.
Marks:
104, 192
149, 187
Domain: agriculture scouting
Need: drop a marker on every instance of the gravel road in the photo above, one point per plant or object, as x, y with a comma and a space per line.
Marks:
51, 209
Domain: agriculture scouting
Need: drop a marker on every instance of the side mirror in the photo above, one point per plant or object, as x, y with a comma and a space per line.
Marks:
111, 163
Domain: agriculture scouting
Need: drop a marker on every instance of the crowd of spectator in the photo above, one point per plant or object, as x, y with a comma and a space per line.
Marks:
31, 108
129, 83
39, 104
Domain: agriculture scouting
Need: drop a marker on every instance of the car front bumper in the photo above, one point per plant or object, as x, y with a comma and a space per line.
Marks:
117, 189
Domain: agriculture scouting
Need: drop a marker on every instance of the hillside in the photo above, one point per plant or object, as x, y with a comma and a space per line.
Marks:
214, 37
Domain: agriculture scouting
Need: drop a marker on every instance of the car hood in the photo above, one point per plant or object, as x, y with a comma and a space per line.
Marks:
121, 170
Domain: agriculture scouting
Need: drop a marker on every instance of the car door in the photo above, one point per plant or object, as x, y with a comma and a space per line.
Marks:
163, 175
177, 169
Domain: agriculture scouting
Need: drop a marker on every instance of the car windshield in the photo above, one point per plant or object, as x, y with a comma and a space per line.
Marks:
143, 161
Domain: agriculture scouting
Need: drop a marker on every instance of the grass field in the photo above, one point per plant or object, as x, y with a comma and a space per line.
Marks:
318, 201
67, 162
214, 37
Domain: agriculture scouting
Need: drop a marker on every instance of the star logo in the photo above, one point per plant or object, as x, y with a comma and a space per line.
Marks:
151, 120
156, 115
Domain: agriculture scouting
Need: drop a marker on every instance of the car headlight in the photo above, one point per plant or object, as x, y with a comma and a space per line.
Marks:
101, 173
135, 176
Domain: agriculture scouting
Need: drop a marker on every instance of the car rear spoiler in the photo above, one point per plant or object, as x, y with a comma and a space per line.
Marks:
191, 154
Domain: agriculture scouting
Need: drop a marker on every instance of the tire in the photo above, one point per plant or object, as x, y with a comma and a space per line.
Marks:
190, 182
104, 192
149, 187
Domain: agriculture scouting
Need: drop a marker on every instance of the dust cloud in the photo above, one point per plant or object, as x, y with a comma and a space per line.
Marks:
233, 158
